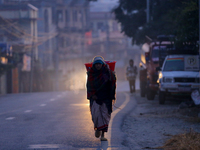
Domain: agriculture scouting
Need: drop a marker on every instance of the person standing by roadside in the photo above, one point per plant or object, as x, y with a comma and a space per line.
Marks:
131, 73
101, 91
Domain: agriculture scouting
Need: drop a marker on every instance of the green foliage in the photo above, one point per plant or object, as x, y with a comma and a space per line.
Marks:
188, 25
177, 17
131, 15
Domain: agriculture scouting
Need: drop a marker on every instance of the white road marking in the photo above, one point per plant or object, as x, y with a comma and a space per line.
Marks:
42, 105
44, 146
86, 104
59, 95
114, 113
52, 100
28, 111
10, 118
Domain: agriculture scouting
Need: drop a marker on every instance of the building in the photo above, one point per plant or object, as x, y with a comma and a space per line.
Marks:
61, 29
108, 41
19, 29
72, 18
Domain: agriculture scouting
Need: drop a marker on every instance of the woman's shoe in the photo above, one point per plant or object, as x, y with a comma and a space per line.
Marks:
97, 133
103, 139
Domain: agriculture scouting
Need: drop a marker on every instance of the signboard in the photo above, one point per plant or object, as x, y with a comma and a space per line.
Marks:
26, 63
191, 63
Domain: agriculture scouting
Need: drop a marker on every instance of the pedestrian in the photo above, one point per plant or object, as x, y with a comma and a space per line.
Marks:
101, 91
131, 73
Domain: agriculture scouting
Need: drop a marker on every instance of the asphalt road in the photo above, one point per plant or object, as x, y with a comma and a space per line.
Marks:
57, 120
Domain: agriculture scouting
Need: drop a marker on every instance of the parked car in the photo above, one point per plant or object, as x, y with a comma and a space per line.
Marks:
178, 76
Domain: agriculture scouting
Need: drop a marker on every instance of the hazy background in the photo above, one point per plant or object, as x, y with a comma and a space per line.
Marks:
47, 42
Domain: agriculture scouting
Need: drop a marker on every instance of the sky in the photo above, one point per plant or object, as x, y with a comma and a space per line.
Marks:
103, 5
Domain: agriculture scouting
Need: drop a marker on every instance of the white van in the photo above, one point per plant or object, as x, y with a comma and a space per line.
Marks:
179, 75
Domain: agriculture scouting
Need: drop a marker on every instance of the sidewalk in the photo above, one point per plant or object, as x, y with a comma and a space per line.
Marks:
149, 125
115, 135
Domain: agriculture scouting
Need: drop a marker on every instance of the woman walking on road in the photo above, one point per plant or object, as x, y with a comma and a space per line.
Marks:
101, 89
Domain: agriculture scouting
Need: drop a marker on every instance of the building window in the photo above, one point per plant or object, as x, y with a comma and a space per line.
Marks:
62, 42
53, 16
75, 16
67, 16
92, 25
46, 18
115, 26
86, 15
81, 15
100, 26
75, 42
68, 42
59, 15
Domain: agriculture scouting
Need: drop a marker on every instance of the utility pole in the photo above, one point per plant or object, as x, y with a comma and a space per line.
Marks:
199, 29
56, 64
32, 54
199, 40
34, 50
32, 61
81, 18
148, 11
107, 36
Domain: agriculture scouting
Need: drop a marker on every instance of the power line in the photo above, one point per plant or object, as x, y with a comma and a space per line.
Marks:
30, 37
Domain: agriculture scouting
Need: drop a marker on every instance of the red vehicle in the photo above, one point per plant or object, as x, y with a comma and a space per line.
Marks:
153, 57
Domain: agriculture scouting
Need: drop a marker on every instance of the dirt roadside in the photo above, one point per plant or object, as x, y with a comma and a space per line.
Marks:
149, 125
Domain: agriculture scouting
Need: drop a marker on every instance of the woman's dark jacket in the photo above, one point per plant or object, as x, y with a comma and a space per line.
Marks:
101, 83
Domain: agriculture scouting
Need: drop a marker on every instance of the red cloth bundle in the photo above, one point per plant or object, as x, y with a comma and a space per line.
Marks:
110, 63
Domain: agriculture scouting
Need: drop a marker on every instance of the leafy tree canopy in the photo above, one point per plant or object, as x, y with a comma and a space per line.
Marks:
176, 17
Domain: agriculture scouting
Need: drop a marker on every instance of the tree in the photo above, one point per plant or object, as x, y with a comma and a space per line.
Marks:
131, 15
188, 24
179, 18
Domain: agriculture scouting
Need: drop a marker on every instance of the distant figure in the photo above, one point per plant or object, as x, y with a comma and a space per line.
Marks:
101, 90
131, 73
